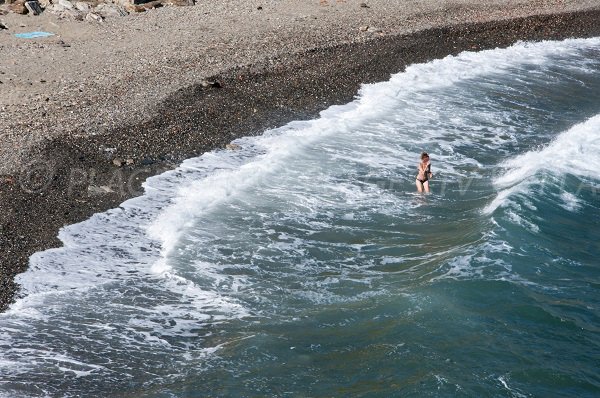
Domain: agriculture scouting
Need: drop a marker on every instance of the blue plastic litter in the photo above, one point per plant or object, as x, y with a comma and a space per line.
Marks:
33, 35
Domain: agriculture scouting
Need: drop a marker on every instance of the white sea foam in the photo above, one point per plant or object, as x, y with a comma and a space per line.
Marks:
373, 103
575, 152
570, 201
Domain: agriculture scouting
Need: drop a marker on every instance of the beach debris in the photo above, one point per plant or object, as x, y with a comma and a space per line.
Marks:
364, 5
233, 147
2, 26
33, 7
363, 28
129, 162
33, 35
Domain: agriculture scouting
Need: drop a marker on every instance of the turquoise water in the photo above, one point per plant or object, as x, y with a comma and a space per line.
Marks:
306, 265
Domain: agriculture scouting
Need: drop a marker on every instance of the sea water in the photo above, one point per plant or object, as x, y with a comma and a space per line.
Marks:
306, 265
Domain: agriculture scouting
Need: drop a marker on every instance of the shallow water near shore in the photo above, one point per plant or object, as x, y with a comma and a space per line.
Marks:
305, 264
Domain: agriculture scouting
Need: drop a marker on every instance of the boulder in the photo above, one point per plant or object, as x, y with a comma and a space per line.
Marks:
94, 17
82, 6
66, 4
110, 10
145, 6
18, 7
55, 8
73, 14
33, 7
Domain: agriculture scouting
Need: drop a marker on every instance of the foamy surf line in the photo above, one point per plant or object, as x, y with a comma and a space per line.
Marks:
574, 152
158, 217
373, 101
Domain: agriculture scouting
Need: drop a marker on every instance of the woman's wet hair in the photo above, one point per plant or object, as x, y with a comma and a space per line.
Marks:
424, 155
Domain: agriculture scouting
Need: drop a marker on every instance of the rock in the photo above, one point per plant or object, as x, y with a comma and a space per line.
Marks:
129, 162
45, 3
33, 7
66, 4
153, 4
110, 10
99, 190
210, 84
364, 5
55, 8
2, 26
181, 2
233, 147
81, 6
18, 7
73, 14
118, 162
93, 17
369, 29
145, 6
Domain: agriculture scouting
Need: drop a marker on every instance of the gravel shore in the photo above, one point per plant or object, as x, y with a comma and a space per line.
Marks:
88, 114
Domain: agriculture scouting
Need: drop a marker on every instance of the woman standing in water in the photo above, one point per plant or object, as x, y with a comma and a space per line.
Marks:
424, 173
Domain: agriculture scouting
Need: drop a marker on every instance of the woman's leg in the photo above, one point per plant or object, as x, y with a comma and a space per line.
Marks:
419, 185
426, 186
